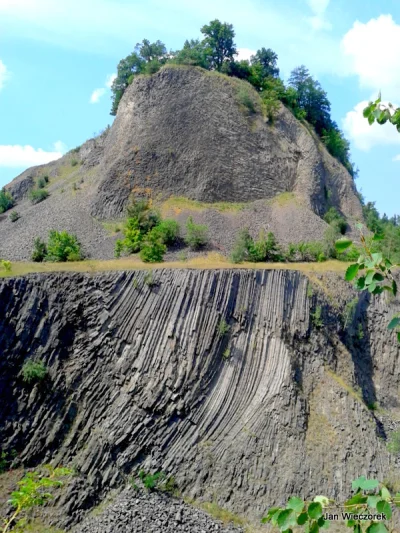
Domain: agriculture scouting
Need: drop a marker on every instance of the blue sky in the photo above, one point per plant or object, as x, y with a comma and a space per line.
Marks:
57, 58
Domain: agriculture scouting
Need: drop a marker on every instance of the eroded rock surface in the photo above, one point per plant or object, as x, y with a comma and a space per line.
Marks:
220, 378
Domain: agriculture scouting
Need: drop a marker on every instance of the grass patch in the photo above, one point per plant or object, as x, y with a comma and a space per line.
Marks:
210, 261
284, 198
113, 227
356, 394
177, 204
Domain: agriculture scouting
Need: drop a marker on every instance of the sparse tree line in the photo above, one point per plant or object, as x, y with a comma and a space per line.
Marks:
303, 95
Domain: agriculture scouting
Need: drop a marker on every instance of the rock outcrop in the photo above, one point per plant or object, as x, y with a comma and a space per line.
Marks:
185, 132
225, 379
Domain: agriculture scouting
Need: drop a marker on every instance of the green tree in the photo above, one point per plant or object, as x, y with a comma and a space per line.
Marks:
219, 43
62, 246
193, 53
147, 58
267, 60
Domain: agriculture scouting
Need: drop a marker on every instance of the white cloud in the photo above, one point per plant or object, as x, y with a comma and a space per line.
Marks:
110, 80
61, 147
396, 158
26, 156
364, 136
373, 51
4, 74
318, 21
244, 53
96, 95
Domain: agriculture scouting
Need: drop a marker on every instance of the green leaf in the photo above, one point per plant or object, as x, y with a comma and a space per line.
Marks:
372, 286
315, 510
394, 288
314, 528
394, 322
352, 272
377, 527
343, 244
377, 258
360, 283
323, 500
285, 519
384, 507
370, 276
369, 484
373, 500
398, 336
302, 519
296, 504
378, 277
357, 529
377, 290
378, 237
385, 493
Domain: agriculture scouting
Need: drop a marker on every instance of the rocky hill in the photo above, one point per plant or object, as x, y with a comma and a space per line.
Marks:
186, 132
223, 379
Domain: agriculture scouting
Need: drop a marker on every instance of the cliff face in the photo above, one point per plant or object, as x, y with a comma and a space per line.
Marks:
221, 378
187, 132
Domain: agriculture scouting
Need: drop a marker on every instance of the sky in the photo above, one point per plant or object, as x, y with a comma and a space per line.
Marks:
58, 59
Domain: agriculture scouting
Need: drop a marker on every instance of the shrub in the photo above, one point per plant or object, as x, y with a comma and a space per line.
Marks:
63, 246
316, 317
167, 231
244, 96
6, 201
74, 162
196, 234
39, 250
243, 242
152, 250
46, 178
223, 327
6, 265
41, 183
33, 371
133, 238
146, 217
38, 195
333, 217
14, 216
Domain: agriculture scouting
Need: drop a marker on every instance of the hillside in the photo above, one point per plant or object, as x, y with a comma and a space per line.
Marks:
187, 133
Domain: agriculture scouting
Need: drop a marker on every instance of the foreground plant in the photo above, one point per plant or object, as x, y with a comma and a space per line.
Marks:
367, 511
33, 491
376, 271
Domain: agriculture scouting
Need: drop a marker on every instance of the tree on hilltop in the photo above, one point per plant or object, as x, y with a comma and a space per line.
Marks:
218, 40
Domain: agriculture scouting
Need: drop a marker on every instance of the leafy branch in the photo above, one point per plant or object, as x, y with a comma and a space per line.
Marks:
33, 491
371, 498
382, 113
376, 271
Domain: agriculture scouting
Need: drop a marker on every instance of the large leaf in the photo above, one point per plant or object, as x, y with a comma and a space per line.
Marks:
377, 527
360, 283
302, 519
385, 494
296, 504
286, 519
370, 276
343, 244
270, 514
315, 510
394, 322
384, 507
378, 277
352, 272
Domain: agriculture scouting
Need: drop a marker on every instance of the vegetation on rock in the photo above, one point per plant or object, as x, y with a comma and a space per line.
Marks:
38, 195
33, 371
6, 201
303, 95
33, 491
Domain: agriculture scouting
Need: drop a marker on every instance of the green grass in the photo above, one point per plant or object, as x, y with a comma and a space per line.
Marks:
177, 204
206, 262
284, 198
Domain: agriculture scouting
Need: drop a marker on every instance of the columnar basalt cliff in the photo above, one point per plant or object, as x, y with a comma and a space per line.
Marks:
221, 378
